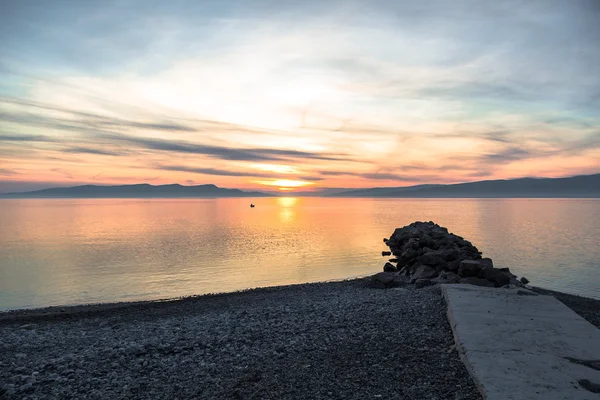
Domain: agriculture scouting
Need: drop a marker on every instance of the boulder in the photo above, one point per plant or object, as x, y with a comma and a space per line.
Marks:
453, 265
424, 272
486, 263
469, 268
386, 280
477, 282
386, 253
496, 276
431, 259
413, 243
408, 254
383, 280
421, 283
524, 280
515, 282
448, 254
400, 280
389, 267
448, 277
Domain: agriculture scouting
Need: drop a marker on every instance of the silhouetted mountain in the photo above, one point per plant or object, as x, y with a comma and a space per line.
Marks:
143, 190
576, 186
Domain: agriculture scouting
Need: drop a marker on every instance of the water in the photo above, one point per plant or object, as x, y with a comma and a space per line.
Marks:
62, 252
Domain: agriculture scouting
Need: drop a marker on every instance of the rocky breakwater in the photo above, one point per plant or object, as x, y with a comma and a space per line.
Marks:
426, 253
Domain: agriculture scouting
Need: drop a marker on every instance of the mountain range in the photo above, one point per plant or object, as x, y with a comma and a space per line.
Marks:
143, 190
576, 186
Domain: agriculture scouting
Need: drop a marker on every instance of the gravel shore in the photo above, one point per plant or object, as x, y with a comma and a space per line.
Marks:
336, 340
584, 306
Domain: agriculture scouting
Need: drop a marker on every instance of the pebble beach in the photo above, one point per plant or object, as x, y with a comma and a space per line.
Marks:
336, 340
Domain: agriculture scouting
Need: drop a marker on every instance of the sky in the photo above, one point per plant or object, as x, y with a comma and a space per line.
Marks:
280, 95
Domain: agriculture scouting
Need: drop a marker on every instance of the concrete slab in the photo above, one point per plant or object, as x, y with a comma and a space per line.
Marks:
516, 346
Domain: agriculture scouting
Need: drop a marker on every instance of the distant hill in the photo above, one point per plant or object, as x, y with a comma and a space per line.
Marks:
135, 191
576, 186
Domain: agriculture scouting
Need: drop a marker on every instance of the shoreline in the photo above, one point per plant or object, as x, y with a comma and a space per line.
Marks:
579, 304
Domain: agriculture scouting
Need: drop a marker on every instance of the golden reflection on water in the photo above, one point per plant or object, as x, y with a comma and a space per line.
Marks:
78, 251
287, 214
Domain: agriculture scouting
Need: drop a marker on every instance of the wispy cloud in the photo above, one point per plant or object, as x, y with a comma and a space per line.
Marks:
211, 171
6, 171
88, 150
26, 138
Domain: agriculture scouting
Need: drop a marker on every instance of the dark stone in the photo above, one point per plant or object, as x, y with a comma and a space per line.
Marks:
424, 272
504, 270
385, 240
477, 282
386, 253
495, 275
514, 281
408, 254
389, 267
448, 277
383, 277
469, 268
386, 280
524, 280
401, 280
486, 263
441, 268
432, 259
412, 243
393, 260
453, 265
448, 254
421, 283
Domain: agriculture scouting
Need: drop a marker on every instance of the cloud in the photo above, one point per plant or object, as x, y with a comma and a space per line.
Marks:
220, 152
88, 150
26, 138
224, 172
79, 119
5, 171
211, 171
392, 176
509, 154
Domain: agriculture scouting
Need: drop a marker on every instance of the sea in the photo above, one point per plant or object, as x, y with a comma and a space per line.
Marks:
80, 251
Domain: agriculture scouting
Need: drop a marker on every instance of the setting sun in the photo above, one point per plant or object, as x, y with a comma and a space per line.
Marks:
285, 184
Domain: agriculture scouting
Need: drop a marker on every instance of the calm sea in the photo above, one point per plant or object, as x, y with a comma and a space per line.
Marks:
63, 252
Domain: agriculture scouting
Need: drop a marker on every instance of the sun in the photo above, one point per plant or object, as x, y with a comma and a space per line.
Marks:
285, 184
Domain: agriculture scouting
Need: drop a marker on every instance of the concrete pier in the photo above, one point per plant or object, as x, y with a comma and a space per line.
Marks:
520, 345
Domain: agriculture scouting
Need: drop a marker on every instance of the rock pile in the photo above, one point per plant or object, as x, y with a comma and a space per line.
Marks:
427, 253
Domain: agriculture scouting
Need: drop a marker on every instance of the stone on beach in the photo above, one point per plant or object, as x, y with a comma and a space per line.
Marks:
427, 251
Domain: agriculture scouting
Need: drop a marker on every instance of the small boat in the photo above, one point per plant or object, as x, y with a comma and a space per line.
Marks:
251, 205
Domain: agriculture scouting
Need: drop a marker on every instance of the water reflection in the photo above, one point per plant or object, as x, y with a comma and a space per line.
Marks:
287, 214
77, 251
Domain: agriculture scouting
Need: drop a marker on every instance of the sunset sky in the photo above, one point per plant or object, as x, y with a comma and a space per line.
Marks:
278, 94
